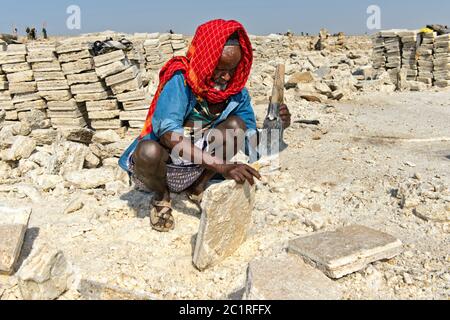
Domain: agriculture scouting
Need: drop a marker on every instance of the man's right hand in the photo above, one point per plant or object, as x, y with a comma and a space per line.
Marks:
239, 173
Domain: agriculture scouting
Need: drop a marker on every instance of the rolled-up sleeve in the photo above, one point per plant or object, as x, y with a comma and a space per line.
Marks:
171, 107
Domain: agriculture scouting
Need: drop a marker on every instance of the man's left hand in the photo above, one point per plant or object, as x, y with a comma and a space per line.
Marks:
285, 116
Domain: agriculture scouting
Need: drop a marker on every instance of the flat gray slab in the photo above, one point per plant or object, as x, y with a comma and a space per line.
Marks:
13, 225
288, 278
11, 240
345, 250
92, 290
225, 222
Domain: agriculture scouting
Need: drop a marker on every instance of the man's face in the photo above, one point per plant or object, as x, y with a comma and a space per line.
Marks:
226, 67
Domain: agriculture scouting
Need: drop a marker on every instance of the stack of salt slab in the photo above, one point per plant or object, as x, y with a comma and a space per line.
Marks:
21, 83
393, 53
137, 54
409, 61
135, 107
124, 79
6, 104
51, 83
379, 54
179, 45
117, 73
158, 50
425, 59
441, 61
78, 68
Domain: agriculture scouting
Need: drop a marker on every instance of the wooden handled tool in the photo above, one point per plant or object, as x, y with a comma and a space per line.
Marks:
278, 85
273, 126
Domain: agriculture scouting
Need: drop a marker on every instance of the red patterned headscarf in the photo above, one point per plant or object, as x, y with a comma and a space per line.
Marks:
200, 62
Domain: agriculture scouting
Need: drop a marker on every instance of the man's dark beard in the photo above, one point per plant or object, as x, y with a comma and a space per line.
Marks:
220, 87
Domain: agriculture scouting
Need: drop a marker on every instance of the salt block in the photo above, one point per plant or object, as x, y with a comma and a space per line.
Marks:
84, 97
46, 66
20, 76
128, 74
13, 225
78, 66
57, 95
85, 77
45, 274
72, 47
108, 114
226, 219
62, 105
345, 250
288, 278
74, 56
129, 85
102, 105
133, 115
106, 124
112, 68
108, 58
88, 88
48, 76
131, 96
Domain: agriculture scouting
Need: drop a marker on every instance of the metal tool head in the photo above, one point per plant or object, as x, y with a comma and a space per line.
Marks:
271, 140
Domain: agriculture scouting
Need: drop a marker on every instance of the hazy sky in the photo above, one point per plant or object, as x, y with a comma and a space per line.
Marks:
258, 16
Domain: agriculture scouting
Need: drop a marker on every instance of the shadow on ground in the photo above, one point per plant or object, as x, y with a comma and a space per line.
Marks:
237, 295
30, 236
140, 202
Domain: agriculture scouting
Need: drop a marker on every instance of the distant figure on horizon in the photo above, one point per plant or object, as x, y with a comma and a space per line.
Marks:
33, 34
44, 30
28, 31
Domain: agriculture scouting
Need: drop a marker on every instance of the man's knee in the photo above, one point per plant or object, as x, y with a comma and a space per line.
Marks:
148, 152
235, 122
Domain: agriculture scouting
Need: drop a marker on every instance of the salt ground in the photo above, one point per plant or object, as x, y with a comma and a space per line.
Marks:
378, 160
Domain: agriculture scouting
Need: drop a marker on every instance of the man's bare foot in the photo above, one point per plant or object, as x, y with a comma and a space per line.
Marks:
195, 193
161, 217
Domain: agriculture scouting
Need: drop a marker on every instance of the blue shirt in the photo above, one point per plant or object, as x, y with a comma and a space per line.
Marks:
174, 105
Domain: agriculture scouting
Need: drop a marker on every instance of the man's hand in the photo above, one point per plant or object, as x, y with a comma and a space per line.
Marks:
239, 173
285, 116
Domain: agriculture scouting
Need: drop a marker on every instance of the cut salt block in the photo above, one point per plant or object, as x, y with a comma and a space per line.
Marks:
288, 278
226, 219
45, 274
13, 225
345, 250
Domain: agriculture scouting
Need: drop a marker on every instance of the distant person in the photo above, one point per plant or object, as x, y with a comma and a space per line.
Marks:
171, 31
44, 33
33, 34
28, 32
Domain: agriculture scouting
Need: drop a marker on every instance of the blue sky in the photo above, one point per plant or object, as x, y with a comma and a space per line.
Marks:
258, 16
